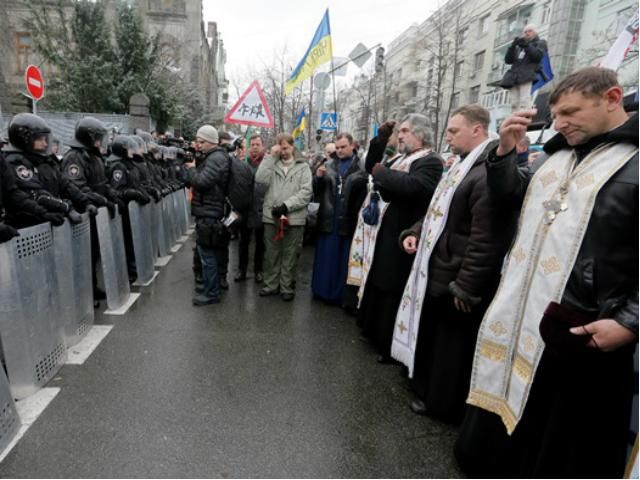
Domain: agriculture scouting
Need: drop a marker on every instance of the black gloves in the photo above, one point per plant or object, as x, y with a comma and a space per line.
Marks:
166, 191
74, 217
155, 193
278, 211
7, 232
137, 196
92, 210
521, 41
385, 130
97, 199
55, 218
53, 204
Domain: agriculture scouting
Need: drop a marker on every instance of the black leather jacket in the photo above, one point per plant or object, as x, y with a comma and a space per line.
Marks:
604, 279
352, 194
209, 183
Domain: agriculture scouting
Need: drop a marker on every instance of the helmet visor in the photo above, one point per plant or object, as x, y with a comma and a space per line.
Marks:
42, 144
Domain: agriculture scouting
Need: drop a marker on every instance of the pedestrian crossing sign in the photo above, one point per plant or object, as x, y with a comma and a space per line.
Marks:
328, 121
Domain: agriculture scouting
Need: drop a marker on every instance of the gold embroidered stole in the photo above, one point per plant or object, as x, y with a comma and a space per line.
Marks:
405, 333
537, 268
363, 244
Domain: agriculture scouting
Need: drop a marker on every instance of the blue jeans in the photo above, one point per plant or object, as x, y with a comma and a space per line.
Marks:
210, 276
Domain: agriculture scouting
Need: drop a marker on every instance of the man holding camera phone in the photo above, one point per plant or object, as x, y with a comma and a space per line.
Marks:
524, 55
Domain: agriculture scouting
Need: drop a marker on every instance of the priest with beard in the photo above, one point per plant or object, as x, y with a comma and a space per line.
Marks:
404, 184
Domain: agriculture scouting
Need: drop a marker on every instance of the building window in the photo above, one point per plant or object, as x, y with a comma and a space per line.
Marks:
478, 61
462, 37
457, 71
546, 13
474, 94
23, 45
483, 25
455, 100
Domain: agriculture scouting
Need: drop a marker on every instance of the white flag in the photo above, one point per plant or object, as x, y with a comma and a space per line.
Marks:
620, 47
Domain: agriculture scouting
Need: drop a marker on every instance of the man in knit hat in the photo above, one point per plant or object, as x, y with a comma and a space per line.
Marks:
208, 182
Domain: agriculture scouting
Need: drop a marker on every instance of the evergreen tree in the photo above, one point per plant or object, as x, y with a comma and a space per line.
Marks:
80, 51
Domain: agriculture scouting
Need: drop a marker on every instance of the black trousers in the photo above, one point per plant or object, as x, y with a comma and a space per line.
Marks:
243, 248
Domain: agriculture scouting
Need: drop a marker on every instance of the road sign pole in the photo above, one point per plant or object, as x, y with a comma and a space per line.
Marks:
33, 106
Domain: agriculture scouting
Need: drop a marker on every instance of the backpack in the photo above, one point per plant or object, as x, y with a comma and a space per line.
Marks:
240, 185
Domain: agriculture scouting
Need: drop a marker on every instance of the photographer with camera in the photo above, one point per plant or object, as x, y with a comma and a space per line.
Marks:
524, 55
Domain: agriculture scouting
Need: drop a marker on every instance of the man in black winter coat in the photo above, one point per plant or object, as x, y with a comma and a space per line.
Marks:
208, 182
524, 55
463, 269
553, 383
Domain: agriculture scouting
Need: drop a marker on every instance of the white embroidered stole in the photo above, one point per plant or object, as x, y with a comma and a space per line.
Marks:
405, 333
363, 244
537, 268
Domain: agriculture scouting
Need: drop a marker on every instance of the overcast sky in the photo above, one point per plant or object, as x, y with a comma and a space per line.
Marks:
255, 29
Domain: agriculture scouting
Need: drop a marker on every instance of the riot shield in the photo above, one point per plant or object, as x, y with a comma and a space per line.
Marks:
162, 235
9, 419
153, 232
72, 247
140, 218
169, 229
182, 211
31, 326
113, 258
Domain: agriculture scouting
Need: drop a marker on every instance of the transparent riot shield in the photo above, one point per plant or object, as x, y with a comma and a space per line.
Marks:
113, 259
140, 218
9, 419
161, 233
153, 226
72, 247
182, 211
82, 281
168, 221
175, 215
31, 326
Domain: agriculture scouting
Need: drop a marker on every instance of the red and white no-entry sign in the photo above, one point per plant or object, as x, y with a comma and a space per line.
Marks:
35, 82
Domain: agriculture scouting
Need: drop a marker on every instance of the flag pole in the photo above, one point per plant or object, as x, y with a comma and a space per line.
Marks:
335, 100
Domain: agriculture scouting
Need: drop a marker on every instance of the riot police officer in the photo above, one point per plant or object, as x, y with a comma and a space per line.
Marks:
124, 177
32, 182
83, 166
7, 232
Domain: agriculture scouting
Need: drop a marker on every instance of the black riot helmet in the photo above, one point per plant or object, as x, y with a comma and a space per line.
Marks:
25, 129
146, 136
90, 131
123, 146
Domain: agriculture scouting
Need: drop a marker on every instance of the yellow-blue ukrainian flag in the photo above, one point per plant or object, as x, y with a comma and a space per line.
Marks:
298, 130
320, 51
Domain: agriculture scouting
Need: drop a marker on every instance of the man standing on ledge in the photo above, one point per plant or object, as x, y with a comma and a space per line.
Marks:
552, 383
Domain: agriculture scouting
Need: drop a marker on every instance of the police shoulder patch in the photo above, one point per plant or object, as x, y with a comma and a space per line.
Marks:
117, 175
23, 172
73, 170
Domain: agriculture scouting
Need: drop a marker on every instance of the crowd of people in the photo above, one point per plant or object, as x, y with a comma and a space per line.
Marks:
506, 291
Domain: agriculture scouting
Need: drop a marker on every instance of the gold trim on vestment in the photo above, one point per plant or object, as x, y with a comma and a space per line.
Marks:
493, 351
494, 404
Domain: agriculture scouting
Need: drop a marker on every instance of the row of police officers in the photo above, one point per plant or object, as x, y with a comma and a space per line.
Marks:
37, 187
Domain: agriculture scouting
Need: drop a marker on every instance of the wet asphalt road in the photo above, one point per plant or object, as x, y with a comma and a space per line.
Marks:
253, 387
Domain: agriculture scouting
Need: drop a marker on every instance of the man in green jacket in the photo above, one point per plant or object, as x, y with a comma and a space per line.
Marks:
289, 189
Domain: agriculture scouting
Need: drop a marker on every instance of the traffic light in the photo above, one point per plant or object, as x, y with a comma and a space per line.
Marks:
318, 135
379, 59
